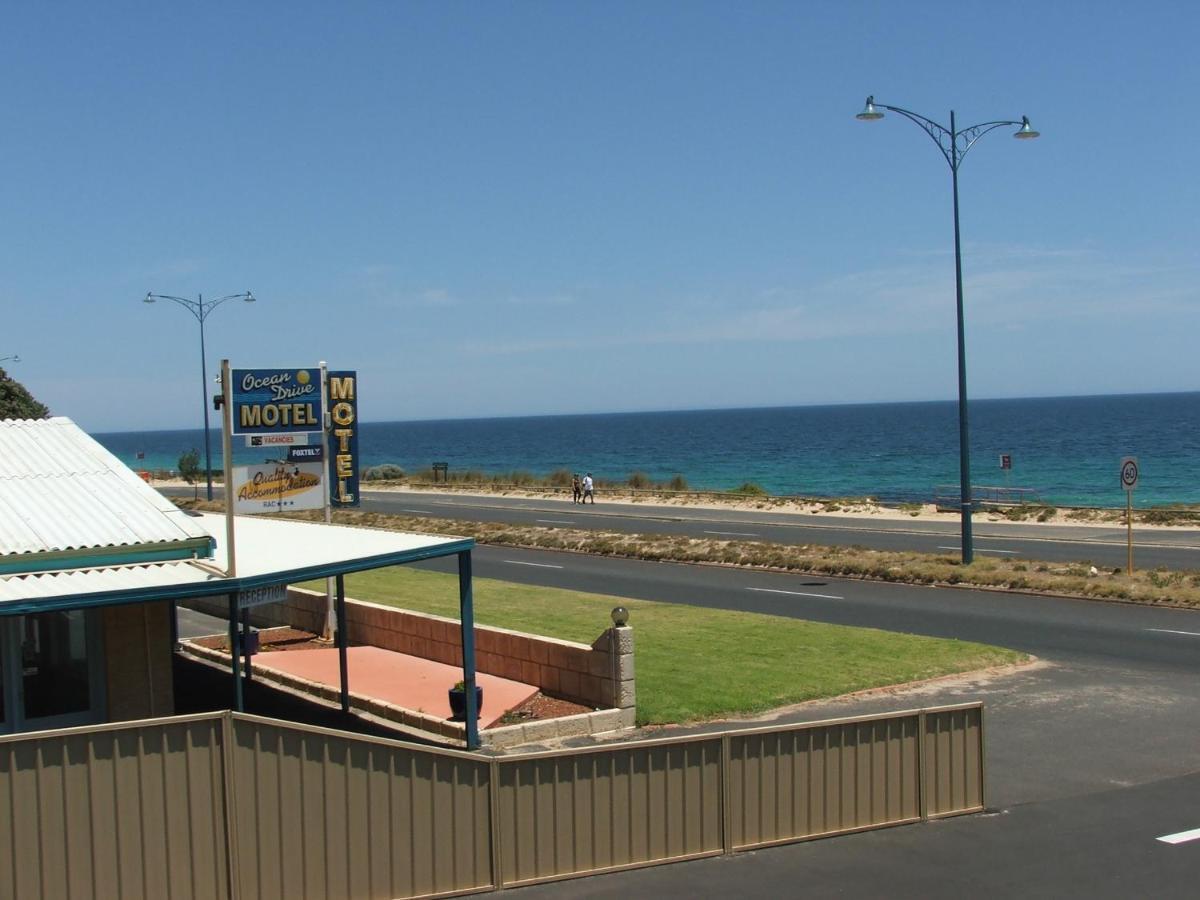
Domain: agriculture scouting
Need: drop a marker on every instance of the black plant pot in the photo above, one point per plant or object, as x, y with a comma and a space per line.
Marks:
458, 703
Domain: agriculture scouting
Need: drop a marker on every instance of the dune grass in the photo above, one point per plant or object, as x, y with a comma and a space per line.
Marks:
694, 663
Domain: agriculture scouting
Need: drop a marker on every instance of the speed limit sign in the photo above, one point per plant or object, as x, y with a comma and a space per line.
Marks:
1129, 473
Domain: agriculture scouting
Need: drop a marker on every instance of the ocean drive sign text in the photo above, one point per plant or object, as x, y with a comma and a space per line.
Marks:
275, 401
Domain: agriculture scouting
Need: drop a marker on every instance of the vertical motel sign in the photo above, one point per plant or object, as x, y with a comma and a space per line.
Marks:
342, 404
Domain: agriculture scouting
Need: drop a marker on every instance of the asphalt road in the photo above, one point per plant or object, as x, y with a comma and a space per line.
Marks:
1093, 753
1103, 546
1175, 548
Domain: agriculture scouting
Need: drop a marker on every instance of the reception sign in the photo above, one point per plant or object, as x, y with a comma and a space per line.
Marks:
278, 488
276, 401
343, 446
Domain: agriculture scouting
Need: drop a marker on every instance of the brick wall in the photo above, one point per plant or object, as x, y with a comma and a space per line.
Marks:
598, 675
137, 659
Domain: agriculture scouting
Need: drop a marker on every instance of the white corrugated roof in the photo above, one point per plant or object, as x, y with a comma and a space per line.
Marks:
268, 546
60, 490
268, 550
81, 582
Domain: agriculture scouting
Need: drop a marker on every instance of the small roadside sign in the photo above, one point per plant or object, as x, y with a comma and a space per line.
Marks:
1129, 480
1006, 460
1129, 473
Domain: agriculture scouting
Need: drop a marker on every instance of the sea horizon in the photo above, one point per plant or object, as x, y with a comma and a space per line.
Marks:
1064, 450
697, 409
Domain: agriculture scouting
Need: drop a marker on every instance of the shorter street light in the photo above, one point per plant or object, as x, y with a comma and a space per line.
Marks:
202, 309
14, 358
954, 143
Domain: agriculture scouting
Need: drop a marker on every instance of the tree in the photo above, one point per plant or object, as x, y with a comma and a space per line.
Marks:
189, 468
16, 402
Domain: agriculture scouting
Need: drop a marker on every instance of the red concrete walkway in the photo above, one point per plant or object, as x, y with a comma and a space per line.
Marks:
407, 681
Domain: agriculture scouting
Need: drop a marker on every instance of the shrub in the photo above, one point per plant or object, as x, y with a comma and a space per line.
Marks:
679, 483
639, 481
560, 478
385, 472
750, 489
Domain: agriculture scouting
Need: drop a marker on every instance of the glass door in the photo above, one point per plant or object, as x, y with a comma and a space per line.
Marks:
48, 669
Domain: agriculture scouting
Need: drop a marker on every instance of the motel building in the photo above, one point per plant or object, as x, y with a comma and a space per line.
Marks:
93, 562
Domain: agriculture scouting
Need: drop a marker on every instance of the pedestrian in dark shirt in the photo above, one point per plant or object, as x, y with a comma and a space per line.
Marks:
576, 488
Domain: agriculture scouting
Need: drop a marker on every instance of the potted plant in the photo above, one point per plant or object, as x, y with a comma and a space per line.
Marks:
458, 701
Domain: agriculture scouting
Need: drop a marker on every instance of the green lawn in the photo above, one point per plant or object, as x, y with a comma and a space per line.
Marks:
694, 663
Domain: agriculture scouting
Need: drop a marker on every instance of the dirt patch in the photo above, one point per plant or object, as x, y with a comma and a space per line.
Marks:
539, 706
270, 640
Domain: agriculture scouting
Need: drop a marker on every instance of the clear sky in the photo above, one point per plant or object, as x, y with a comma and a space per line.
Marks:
523, 208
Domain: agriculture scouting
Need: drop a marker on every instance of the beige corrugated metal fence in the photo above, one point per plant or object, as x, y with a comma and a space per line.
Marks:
229, 805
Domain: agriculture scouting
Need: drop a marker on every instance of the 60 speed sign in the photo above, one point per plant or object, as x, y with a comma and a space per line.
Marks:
1129, 473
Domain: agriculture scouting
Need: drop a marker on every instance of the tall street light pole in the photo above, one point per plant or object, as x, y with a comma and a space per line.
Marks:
202, 309
955, 144
15, 358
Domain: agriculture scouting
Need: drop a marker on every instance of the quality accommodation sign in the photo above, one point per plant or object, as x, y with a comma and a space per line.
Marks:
276, 401
278, 488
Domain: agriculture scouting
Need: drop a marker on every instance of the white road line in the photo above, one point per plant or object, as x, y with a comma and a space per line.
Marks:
517, 562
734, 533
423, 512
795, 593
1172, 631
556, 521
1180, 837
980, 550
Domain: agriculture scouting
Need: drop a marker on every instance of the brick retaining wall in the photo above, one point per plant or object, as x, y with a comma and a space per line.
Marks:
601, 675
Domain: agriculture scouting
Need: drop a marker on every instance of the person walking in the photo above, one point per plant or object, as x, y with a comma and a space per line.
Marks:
588, 489
576, 489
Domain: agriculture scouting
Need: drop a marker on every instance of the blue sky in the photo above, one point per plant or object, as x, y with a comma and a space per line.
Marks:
522, 208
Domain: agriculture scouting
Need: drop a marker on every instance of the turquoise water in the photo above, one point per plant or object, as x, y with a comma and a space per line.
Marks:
1066, 448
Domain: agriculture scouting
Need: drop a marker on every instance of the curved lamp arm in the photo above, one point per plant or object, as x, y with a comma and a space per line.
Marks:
199, 308
948, 139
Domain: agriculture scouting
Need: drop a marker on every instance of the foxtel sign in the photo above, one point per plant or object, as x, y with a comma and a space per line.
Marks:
276, 401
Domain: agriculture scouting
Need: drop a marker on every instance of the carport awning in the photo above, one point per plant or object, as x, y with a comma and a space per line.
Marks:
269, 551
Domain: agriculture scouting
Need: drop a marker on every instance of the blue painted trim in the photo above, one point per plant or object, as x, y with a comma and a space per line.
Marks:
230, 585
30, 563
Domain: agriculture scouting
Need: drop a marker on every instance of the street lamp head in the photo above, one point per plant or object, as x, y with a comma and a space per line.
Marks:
149, 298
869, 113
249, 298
1026, 132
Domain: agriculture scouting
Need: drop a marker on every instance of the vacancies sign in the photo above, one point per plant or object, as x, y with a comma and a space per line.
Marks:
276, 400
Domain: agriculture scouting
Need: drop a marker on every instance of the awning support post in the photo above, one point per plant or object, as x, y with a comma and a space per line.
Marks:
342, 642
235, 653
466, 615
246, 643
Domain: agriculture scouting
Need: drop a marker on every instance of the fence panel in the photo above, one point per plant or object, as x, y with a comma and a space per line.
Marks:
573, 812
792, 783
139, 810
954, 760
323, 814
130, 812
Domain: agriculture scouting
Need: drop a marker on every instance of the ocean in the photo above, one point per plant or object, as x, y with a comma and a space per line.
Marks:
1066, 449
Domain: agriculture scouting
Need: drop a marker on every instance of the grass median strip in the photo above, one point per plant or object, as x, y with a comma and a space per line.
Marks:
694, 663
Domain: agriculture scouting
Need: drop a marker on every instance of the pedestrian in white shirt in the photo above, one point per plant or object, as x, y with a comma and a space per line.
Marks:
588, 489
